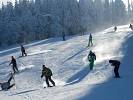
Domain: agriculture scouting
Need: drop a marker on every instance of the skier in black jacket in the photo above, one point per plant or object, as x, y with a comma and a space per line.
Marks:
23, 51
14, 64
116, 65
90, 43
6, 85
115, 28
47, 73
91, 59
130, 26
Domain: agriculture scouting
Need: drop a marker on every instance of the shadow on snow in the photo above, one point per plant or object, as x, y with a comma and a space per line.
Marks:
78, 76
24, 92
116, 89
75, 54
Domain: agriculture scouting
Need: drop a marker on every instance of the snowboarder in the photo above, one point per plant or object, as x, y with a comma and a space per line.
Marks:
116, 65
90, 41
115, 28
14, 65
130, 26
23, 51
47, 73
91, 59
6, 85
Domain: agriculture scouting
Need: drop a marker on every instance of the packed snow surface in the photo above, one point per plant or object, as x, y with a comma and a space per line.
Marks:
68, 61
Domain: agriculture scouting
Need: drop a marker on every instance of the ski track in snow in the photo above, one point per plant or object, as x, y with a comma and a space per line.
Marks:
68, 61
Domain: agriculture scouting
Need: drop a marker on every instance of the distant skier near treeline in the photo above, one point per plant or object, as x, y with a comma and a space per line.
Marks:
47, 73
91, 59
130, 26
23, 51
116, 65
14, 65
6, 85
115, 28
90, 43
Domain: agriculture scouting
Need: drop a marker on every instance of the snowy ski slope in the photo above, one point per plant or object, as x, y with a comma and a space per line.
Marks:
67, 59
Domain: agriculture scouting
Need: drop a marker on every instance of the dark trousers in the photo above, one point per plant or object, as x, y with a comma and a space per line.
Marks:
90, 43
15, 69
48, 78
116, 71
24, 53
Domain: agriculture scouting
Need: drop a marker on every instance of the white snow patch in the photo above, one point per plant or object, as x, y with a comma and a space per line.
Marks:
39, 52
21, 68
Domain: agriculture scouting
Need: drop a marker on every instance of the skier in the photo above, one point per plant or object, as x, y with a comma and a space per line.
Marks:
130, 26
23, 51
6, 85
47, 73
116, 65
14, 65
91, 59
115, 28
90, 41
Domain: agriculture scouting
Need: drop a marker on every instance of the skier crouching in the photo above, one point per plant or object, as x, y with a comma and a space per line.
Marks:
47, 73
116, 65
6, 85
